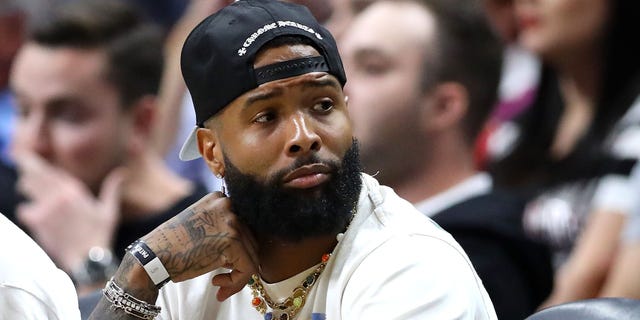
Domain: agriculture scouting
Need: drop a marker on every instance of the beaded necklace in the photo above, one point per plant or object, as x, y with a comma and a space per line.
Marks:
289, 308
292, 304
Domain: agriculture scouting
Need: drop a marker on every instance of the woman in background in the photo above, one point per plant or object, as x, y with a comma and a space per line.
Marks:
572, 151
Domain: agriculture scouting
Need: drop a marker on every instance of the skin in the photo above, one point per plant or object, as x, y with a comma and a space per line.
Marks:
501, 15
262, 131
74, 145
383, 87
568, 35
68, 114
70, 135
622, 282
554, 28
392, 113
173, 89
299, 116
341, 16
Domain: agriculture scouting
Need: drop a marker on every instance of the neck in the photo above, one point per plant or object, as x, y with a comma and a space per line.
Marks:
151, 188
447, 163
579, 81
579, 76
280, 260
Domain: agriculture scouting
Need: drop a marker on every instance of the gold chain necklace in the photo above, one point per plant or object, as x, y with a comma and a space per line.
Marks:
292, 304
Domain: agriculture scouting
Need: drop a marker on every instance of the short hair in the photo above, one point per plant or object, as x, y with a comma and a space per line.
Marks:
465, 50
133, 46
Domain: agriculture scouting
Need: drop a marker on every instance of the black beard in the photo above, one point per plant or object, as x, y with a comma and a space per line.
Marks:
269, 209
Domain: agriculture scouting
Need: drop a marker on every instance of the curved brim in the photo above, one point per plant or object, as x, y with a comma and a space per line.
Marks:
189, 150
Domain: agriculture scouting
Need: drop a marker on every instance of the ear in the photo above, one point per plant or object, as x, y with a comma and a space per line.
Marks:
445, 106
210, 150
142, 114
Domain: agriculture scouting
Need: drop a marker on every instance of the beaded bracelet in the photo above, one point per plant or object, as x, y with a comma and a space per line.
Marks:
128, 303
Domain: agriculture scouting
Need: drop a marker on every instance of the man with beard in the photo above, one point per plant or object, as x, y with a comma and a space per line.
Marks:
302, 234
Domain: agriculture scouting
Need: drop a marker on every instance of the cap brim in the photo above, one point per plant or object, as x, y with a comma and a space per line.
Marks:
189, 150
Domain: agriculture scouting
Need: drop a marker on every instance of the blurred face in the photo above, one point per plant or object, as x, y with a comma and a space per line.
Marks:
383, 52
560, 28
68, 113
290, 163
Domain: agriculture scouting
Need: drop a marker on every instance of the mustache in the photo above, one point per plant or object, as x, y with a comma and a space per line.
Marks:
278, 176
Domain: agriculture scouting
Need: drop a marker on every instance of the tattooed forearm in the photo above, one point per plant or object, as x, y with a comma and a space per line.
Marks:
195, 242
197, 257
202, 255
143, 290
141, 287
197, 227
200, 239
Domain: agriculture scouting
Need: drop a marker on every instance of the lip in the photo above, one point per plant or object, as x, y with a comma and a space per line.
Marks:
528, 21
308, 176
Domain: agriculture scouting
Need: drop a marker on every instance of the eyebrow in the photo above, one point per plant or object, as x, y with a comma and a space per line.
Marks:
362, 53
260, 96
319, 83
51, 104
275, 92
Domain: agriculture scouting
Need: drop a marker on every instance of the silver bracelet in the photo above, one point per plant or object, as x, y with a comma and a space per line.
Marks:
128, 303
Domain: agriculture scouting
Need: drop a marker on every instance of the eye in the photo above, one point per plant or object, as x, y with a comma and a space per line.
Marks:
264, 117
70, 113
374, 68
373, 65
323, 106
22, 111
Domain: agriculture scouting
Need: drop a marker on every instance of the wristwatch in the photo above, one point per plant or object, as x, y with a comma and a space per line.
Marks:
99, 266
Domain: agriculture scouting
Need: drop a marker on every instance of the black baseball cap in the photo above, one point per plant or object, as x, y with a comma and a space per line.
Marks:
218, 55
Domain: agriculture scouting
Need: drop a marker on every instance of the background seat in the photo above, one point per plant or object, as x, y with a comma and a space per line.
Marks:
592, 309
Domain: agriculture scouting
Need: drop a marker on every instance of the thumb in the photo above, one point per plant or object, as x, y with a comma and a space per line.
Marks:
111, 190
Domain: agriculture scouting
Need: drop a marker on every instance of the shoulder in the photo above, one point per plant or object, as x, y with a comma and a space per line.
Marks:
494, 212
427, 274
30, 281
396, 245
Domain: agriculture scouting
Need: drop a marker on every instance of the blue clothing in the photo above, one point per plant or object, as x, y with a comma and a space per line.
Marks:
7, 124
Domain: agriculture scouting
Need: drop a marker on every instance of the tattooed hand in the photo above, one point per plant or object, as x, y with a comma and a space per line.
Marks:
204, 237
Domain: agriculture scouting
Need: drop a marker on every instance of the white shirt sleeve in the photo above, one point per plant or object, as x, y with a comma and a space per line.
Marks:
617, 193
31, 286
19, 304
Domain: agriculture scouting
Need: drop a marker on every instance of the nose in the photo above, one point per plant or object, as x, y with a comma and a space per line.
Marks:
302, 137
32, 134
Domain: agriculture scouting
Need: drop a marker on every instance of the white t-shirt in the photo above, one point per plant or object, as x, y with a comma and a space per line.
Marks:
31, 286
393, 263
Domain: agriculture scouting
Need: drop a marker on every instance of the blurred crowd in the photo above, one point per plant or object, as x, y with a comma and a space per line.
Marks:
514, 124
